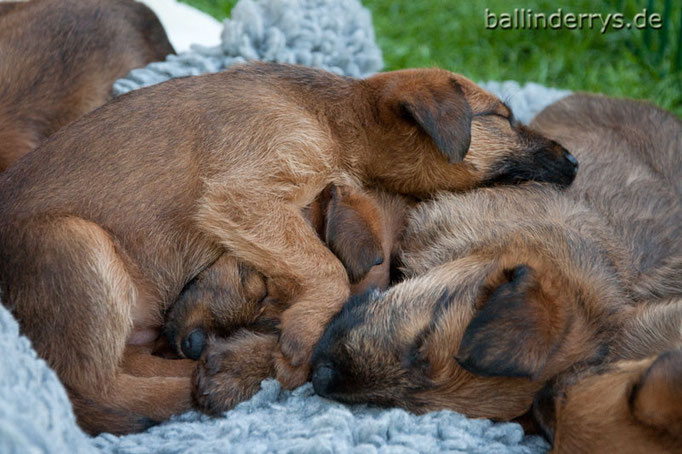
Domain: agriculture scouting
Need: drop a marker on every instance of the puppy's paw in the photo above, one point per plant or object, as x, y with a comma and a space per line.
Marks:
300, 332
289, 376
230, 371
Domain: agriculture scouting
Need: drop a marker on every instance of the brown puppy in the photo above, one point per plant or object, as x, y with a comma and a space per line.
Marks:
194, 167
631, 405
520, 284
60, 59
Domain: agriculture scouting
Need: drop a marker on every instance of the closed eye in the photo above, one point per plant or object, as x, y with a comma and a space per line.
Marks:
511, 120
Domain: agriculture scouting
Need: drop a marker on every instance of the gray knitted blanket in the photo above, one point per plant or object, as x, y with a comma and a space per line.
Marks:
35, 414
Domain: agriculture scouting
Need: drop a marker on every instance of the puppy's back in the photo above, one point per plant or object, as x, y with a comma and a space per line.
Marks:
630, 156
60, 59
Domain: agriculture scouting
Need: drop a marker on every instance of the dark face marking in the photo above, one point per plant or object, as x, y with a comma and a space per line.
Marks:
542, 160
340, 370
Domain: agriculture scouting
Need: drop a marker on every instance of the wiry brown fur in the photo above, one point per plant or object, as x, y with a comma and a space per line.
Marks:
633, 404
60, 59
520, 283
105, 223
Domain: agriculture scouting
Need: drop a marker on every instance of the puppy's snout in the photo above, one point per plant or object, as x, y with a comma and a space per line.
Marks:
324, 377
571, 160
565, 167
193, 344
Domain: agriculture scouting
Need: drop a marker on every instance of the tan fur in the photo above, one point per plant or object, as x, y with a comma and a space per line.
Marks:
508, 287
627, 406
179, 173
60, 59
632, 404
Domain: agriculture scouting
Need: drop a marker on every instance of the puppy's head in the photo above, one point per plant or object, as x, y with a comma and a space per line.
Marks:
222, 298
492, 309
629, 407
460, 134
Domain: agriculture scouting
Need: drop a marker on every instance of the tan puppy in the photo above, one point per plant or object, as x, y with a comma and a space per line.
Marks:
60, 59
631, 405
194, 167
520, 284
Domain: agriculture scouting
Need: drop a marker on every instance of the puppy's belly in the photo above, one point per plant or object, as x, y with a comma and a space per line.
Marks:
143, 336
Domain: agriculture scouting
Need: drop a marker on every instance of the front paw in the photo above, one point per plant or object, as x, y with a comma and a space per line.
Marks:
231, 370
290, 376
300, 331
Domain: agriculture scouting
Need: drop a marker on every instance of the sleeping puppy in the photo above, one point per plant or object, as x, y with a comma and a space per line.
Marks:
508, 287
195, 167
632, 404
60, 59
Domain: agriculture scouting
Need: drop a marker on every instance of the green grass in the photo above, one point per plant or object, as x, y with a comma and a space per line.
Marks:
452, 34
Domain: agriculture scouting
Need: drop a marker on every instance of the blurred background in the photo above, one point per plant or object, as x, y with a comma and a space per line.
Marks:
452, 34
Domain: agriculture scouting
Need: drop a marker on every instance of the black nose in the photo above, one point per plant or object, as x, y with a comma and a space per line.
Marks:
571, 159
193, 344
323, 380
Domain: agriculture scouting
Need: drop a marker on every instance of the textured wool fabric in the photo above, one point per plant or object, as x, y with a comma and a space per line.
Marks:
335, 35
35, 414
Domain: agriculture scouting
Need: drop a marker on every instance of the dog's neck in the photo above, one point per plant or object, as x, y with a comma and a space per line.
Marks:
347, 107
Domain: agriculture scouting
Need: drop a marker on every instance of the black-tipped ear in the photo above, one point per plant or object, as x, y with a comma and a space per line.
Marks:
445, 117
353, 234
510, 336
656, 400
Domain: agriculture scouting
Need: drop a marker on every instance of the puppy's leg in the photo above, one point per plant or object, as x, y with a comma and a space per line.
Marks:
131, 404
274, 237
73, 297
139, 362
232, 369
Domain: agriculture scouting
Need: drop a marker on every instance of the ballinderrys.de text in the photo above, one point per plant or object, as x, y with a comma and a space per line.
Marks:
527, 19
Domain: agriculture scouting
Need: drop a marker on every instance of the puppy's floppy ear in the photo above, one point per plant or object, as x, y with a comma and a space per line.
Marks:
444, 114
656, 400
511, 335
353, 231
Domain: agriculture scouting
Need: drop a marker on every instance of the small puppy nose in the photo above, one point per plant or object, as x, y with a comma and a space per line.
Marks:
323, 377
193, 345
570, 158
